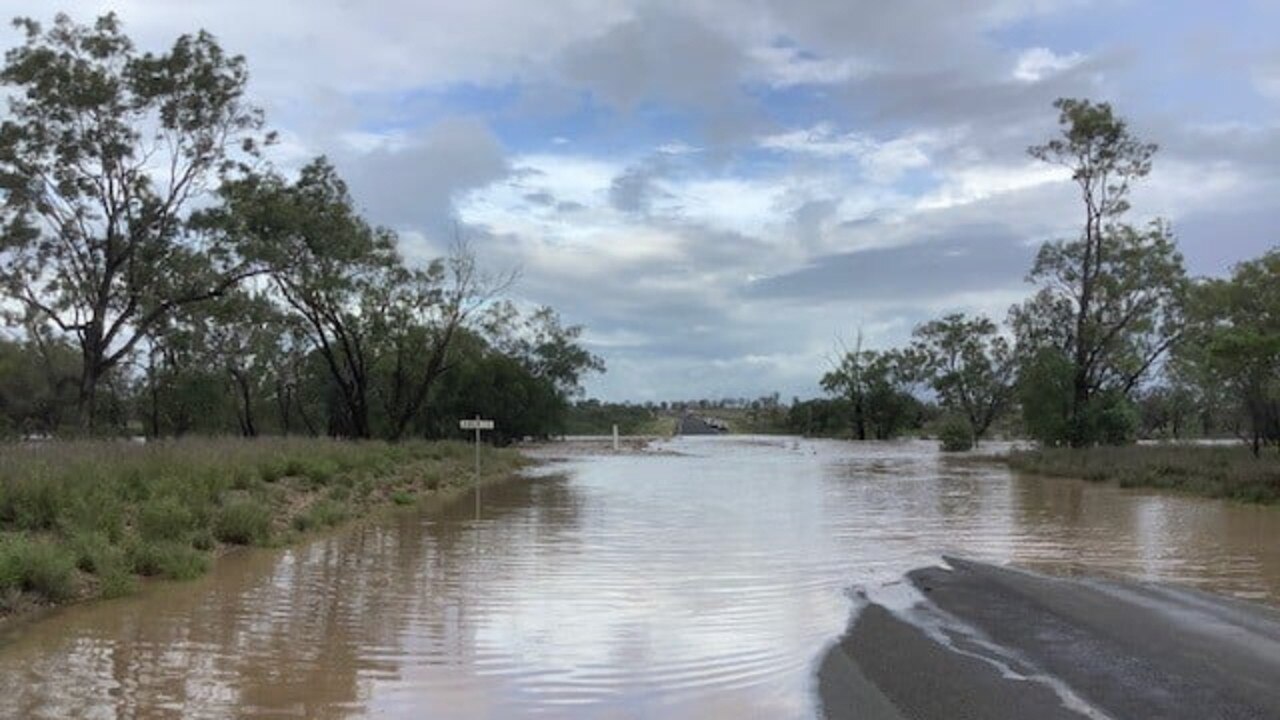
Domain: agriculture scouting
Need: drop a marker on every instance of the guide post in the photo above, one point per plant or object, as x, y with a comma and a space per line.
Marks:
477, 424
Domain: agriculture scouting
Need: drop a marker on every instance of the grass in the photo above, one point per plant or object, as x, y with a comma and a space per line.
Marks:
1212, 471
83, 519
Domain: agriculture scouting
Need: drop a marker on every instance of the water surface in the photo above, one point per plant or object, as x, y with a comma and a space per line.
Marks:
691, 585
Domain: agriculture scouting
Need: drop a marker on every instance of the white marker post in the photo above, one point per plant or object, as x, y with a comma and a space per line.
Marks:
615, 438
477, 424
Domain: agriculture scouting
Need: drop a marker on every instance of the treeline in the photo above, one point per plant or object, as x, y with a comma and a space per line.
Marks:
160, 276
1117, 341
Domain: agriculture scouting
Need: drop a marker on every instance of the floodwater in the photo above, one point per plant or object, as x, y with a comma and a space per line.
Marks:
697, 585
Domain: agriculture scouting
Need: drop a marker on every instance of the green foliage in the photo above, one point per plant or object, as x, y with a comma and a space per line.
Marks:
243, 522
496, 386
1111, 300
89, 117
165, 518
37, 385
955, 434
1234, 344
167, 559
400, 497
969, 365
1045, 392
42, 568
1213, 471
593, 417
323, 513
1109, 419
877, 387
821, 417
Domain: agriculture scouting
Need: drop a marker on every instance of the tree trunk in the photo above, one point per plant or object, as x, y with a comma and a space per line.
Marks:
284, 398
87, 401
245, 400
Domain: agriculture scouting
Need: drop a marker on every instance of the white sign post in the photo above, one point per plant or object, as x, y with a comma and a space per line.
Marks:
477, 424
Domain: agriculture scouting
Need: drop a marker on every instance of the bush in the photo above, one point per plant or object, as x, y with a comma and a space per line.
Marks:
203, 539
93, 552
243, 522
956, 434
30, 503
400, 497
37, 567
117, 583
164, 519
323, 513
172, 560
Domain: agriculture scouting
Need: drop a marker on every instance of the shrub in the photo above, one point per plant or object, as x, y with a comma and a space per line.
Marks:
93, 551
956, 434
243, 522
323, 513
37, 567
272, 470
400, 497
32, 502
172, 560
117, 583
164, 519
203, 539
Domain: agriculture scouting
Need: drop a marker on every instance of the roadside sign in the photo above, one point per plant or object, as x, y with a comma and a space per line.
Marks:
476, 424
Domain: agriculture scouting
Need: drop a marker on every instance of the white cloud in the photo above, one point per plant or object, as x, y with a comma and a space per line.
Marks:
1038, 63
881, 161
967, 184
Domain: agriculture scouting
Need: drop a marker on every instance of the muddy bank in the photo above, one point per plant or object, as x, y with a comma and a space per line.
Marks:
977, 641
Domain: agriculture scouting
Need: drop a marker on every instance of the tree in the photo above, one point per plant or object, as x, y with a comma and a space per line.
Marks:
422, 313
546, 346
102, 156
37, 384
1045, 395
1110, 299
1235, 340
328, 265
876, 384
969, 365
243, 332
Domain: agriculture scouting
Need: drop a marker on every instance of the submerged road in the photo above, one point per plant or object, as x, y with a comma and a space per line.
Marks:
979, 641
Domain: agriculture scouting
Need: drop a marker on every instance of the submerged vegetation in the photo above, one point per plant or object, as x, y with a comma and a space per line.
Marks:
1221, 471
85, 519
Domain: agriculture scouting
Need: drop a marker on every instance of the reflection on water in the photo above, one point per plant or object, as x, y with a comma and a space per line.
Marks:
690, 586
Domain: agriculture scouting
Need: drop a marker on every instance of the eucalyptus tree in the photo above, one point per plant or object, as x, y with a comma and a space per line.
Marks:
970, 365
1235, 343
244, 333
327, 265
548, 348
104, 153
419, 314
877, 386
1109, 300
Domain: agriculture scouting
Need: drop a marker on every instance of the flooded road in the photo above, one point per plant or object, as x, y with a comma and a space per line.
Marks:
703, 584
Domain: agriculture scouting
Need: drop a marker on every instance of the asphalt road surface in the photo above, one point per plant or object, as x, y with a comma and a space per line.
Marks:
978, 641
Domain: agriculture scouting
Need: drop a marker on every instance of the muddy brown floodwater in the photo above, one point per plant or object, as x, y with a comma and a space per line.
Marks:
698, 585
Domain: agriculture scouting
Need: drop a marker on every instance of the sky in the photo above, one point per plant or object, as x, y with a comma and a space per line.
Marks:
725, 194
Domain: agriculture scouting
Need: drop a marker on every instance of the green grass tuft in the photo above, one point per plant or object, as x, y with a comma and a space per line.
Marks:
243, 522
1213, 471
37, 567
167, 559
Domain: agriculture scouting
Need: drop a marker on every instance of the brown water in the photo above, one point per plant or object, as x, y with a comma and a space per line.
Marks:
693, 586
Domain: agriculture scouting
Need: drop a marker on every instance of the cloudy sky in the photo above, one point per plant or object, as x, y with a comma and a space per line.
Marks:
720, 191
